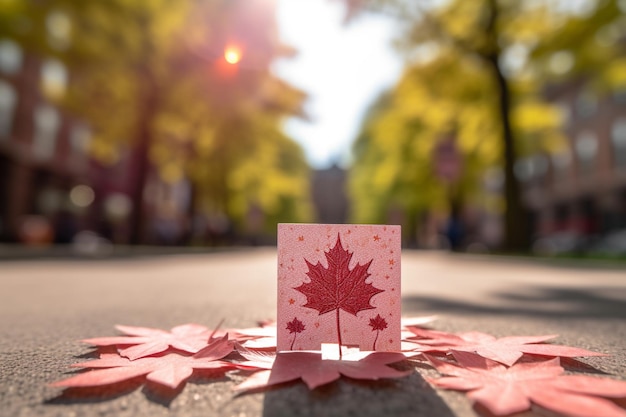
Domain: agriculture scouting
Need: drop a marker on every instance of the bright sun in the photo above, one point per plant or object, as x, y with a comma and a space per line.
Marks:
232, 54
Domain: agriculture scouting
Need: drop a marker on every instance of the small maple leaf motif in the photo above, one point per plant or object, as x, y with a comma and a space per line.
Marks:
338, 287
377, 323
301, 238
376, 238
295, 326
291, 301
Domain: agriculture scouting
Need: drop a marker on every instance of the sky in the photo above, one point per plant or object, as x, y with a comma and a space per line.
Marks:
342, 67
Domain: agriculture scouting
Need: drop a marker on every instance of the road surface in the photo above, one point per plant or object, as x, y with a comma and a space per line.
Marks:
46, 306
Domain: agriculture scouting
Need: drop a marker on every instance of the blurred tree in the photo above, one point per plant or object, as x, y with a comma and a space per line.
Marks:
472, 71
152, 76
586, 40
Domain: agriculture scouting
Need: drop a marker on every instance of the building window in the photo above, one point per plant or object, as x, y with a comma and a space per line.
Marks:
586, 150
53, 78
531, 168
618, 137
10, 57
8, 101
59, 27
619, 95
586, 104
561, 162
47, 123
80, 137
566, 113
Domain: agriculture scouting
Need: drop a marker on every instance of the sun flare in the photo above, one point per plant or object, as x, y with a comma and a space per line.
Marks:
232, 54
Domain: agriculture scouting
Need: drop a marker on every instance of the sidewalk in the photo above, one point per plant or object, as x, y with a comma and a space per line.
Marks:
14, 252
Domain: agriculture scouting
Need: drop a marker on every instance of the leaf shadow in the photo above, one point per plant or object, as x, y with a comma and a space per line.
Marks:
156, 393
575, 365
87, 395
161, 394
96, 351
534, 412
408, 396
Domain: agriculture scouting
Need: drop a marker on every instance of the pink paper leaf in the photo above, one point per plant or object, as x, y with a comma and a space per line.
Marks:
147, 341
170, 369
263, 337
506, 391
255, 359
506, 350
315, 372
407, 322
268, 330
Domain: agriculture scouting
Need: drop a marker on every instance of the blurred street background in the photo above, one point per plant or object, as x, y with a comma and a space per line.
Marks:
148, 150
484, 126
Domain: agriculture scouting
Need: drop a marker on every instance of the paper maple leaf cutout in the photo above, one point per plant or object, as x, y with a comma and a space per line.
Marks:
146, 341
338, 287
169, 370
315, 371
506, 350
407, 322
505, 390
263, 337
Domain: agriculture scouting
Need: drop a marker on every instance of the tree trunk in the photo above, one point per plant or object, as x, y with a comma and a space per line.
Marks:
141, 163
514, 218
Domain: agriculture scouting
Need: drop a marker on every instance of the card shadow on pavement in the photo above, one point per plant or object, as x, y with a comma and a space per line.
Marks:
537, 301
408, 396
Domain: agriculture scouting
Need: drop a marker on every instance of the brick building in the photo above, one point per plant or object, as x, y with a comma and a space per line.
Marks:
50, 187
44, 168
581, 190
328, 190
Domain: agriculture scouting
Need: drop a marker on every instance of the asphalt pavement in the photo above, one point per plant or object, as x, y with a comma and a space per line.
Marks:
47, 305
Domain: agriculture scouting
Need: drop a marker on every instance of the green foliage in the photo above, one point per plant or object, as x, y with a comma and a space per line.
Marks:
585, 42
394, 156
152, 72
450, 86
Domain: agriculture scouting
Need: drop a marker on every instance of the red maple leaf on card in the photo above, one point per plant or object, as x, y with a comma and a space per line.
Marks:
315, 371
506, 391
170, 369
146, 341
338, 287
506, 350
